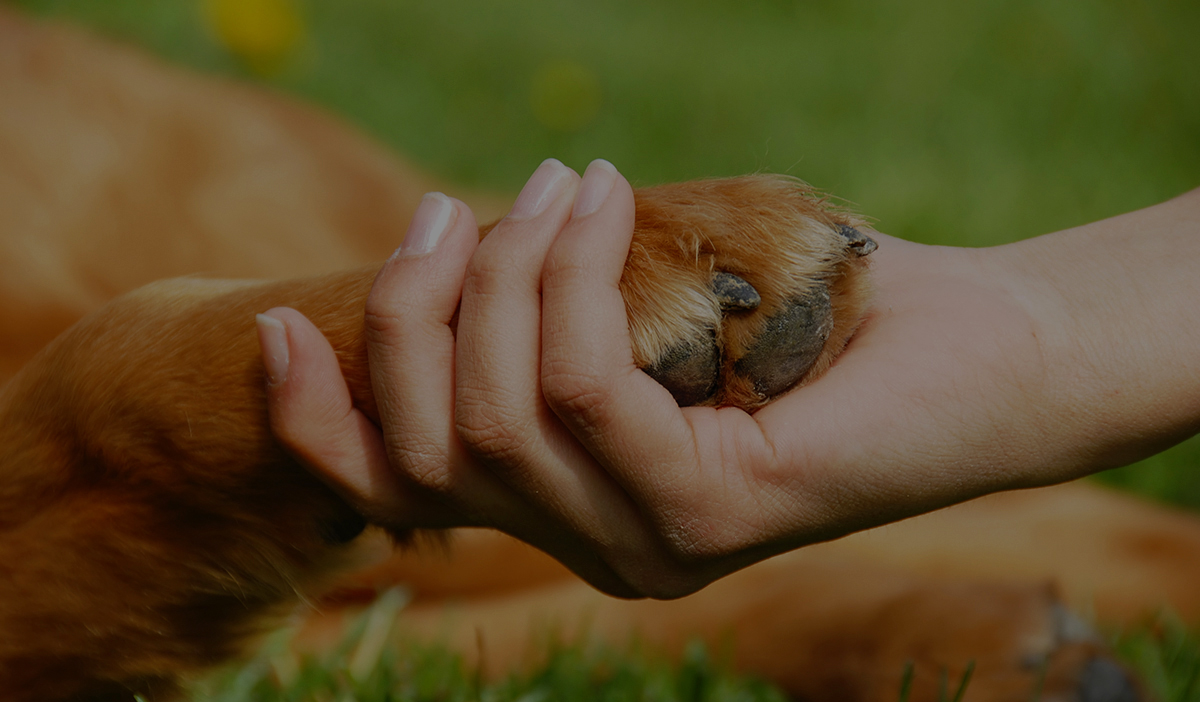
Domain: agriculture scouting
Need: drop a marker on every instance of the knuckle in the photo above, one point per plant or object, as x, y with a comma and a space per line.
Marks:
493, 269
489, 432
383, 321
570, 388
425, 465
562, 270
384, 301
421, 460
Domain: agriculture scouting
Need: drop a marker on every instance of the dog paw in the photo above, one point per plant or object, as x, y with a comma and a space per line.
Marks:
999, 641
739, 289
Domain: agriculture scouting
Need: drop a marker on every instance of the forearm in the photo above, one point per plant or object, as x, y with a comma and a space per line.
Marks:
1114, 309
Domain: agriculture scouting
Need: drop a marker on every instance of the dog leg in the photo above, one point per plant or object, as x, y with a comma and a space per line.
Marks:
823, 623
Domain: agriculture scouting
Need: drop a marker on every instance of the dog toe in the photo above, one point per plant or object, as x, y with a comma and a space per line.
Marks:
790, 343
689, 370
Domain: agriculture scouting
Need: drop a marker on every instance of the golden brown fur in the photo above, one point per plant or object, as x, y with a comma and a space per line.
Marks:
149, 523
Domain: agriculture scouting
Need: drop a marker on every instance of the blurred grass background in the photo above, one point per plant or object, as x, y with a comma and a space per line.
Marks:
968, 124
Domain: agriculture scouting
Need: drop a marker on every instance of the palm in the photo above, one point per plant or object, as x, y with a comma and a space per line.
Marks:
919, 411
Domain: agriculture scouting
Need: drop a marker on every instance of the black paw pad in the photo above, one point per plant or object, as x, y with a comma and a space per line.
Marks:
734, 293
859, 243
689, 370
789, 344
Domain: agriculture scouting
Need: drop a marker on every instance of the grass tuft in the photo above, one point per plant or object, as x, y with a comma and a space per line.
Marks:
1167, 655
370, 666
377, 664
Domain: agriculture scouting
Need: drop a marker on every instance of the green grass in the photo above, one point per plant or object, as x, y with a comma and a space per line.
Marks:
968, 124
375, 664
378, 664
426, 673
1167, 655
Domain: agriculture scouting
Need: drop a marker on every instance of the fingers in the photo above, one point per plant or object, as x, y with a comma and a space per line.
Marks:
412, 352
588, 375
532, 417
675, 464
503, 417
416, 473
500, 414
310, 406
313, 416
411, 346
499, 396
501, 310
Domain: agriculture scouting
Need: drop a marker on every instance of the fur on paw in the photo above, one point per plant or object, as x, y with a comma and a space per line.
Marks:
740, 289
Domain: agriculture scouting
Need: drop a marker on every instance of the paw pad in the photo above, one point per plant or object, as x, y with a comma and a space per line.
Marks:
790, 342
690, 370
738, 290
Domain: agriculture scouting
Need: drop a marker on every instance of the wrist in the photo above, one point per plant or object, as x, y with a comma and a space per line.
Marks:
1113, 308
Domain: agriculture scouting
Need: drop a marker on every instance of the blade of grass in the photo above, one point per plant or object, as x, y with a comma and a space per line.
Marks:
906, 680
966, 678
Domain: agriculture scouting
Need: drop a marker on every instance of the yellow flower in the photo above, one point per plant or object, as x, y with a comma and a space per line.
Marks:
261, 33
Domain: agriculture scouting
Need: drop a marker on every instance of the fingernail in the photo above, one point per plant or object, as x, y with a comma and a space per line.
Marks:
543, 188
272, 336
598, 181
432, 219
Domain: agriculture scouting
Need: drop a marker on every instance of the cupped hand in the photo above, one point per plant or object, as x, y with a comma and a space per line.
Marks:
531, 417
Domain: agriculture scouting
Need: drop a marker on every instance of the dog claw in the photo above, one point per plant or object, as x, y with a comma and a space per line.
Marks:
789, 344
860, 243
734, 293
689, 370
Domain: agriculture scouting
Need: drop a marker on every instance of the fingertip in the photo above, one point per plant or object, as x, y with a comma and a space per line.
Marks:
598, 182
313, 416
429, 283
548, 183
437, 219
286, 317
273, 341
435, 216
294, 350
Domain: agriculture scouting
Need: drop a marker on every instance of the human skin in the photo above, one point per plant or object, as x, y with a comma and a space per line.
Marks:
977, 370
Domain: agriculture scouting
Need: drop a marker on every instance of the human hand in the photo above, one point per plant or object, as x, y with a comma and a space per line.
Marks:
948, 392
